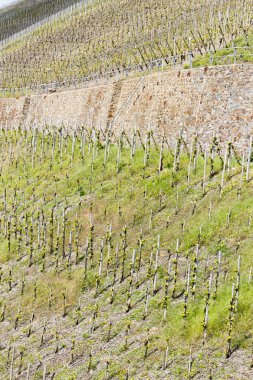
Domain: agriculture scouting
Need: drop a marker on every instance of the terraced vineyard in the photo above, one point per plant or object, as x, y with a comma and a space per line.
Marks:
109, 36
124, 258
126, 255
23, 14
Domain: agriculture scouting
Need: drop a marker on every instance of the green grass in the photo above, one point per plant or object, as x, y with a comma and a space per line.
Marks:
244, 53
110, 194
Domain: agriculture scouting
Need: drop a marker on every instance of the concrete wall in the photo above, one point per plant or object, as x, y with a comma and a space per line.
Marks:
207, 101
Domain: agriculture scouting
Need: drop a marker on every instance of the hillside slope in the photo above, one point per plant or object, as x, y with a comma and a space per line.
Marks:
125, 260
109, 36
24, 13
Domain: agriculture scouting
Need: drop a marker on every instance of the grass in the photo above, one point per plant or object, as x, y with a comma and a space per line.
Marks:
126, 33
54, 170
244, 53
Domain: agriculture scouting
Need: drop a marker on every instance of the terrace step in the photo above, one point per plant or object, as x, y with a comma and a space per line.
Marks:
26, 107
115, 101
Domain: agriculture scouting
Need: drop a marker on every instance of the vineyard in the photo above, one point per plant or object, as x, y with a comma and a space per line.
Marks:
126, 202
124, 258
110, 36
24, 14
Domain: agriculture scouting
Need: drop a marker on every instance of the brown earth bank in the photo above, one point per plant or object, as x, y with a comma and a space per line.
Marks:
207, 101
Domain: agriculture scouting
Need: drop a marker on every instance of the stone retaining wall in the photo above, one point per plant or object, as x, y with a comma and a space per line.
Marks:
208, 101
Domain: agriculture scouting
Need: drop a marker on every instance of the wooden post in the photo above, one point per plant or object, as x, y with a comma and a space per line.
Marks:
12, 361
44, 372
249, 157
224, 169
